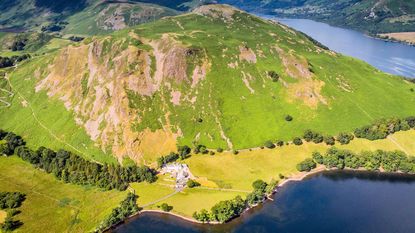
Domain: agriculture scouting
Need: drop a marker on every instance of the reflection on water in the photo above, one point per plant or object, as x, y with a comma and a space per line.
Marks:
394, 58
342, 202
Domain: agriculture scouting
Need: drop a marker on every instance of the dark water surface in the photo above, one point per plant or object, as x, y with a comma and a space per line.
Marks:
339, 202
390, 57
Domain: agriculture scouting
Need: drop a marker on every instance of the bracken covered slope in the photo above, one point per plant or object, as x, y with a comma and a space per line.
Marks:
203, 78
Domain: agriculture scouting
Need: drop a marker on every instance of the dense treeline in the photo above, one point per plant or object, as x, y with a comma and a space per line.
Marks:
229, 209
11, 201
389, 161
13, 60
382, 128
72, 168
127, 208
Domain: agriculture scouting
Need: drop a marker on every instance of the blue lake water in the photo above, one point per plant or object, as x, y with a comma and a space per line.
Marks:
390, 57
341, 202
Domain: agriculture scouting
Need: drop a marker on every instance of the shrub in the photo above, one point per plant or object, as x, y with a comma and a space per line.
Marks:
274, 76
306, 165
344, 138
329, 140
288, 118
219, 150
235, 152
318, 158
280, 143
269, 145
297, 141
165, 207
192, 183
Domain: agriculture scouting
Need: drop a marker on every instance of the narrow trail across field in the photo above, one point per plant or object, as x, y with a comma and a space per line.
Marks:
161, 199
390, 137
32, 190
41, 123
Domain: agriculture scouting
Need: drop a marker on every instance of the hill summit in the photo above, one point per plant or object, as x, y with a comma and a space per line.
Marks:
217, 77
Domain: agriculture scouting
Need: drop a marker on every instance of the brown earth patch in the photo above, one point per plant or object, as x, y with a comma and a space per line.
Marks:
306, 89
246, 54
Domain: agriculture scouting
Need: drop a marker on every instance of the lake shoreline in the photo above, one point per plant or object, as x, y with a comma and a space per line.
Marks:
300, 176
296, 178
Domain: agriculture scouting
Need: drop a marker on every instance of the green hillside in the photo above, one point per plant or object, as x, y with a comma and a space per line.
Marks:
199, 78
372, 16
85, 17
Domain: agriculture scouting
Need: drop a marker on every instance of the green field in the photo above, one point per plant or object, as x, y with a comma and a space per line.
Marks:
51, 205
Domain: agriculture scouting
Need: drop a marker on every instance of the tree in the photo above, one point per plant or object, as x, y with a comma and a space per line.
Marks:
318, 158
259, 185
306, 165
192, 183
269, 145
288, 118
329, 140
184, 151
219, 150
280, 143
165, 207
297, 141
10, 224
345, 138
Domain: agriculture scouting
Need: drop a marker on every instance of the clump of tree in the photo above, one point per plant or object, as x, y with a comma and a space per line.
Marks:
12, 142
310, 135
297, 141
382, 128
127, 208
11, 201
72, 168
226, 210
54, 27
192, 183
274, 76
306, 165
344, 138
166, 207
13, 60
76, 38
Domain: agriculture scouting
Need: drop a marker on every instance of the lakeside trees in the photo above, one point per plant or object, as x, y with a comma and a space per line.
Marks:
389, 161
226, 210
127, 208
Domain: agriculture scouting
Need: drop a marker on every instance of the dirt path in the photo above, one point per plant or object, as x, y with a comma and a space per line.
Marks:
41, 123
159, 200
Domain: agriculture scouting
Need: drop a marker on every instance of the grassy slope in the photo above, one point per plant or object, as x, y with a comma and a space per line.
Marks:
247, 119
50, 113
258, 117
90, 21
52, 206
